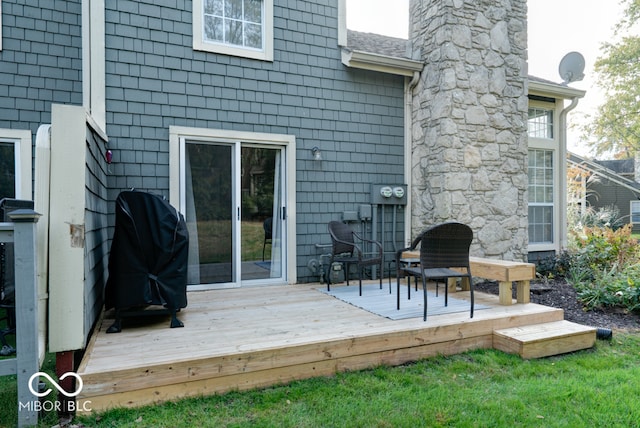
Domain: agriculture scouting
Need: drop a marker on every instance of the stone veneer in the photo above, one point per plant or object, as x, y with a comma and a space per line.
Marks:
469, 142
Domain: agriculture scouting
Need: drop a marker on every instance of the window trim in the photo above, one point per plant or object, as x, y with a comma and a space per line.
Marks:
553, 145
22, 142
265, 54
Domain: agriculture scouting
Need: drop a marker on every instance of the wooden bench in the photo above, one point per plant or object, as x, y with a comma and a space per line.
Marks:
503, 271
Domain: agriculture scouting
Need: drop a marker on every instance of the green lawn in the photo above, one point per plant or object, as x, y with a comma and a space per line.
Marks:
485, 388
215, 237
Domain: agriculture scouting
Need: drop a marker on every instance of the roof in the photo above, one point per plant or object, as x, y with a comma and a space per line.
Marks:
392, 55
378, 44
596, 168
620, 166
379, 53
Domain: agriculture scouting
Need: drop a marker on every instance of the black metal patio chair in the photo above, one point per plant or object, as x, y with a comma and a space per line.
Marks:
347, 249
444, 254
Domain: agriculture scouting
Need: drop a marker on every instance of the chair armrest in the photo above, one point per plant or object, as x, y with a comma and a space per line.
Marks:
402, 250
371, 241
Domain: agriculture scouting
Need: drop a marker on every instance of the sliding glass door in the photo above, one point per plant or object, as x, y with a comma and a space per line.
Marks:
233, 202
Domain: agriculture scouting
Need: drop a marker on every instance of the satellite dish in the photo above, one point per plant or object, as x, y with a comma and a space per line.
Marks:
571, 68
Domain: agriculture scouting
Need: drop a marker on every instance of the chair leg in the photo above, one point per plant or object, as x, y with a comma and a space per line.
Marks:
381, 274
424, 292
345, 266
446, 291
471, 293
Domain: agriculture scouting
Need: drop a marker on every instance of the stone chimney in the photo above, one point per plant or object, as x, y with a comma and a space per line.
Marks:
469, 117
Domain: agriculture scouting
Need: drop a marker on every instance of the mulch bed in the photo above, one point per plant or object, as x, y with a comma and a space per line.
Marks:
560, 294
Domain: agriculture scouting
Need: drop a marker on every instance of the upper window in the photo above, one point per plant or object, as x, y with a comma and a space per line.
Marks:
234, 27
540, 123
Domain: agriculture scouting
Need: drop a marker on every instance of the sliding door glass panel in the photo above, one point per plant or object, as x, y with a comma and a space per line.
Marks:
209, 212
261, 219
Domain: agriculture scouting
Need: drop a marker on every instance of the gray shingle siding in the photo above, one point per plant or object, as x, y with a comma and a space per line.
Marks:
40, 61
96, 237
604, 193
155, 80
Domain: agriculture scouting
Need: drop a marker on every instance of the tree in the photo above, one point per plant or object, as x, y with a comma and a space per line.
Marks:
615, 129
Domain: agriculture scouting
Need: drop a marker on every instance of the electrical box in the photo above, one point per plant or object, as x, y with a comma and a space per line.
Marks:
364, 212
349, 216
389, 194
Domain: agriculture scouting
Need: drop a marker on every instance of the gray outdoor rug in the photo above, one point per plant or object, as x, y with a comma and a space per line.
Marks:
380, 302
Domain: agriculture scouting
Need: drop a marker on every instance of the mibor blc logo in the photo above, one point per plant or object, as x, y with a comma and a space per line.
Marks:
48, 406
35, 392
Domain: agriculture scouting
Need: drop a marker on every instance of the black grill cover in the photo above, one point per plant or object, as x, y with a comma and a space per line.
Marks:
148, 259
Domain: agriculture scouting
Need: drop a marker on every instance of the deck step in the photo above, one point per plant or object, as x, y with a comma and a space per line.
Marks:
543, 340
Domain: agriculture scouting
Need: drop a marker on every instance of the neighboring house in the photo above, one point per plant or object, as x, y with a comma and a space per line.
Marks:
610, 183
224, 111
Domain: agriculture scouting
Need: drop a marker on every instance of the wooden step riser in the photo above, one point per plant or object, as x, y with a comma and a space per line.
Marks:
544, 340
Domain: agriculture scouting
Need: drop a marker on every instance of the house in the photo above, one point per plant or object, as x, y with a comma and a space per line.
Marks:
609, 183
280, 113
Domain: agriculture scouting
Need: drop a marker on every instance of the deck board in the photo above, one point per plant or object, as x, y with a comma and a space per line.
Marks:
252, 337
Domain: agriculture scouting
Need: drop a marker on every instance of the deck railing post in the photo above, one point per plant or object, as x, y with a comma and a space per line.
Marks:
26, 295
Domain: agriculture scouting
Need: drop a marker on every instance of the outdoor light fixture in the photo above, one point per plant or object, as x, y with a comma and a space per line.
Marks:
317, 154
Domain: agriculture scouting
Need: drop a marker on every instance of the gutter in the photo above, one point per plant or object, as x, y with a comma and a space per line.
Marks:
563, 170
408, 150
376, 62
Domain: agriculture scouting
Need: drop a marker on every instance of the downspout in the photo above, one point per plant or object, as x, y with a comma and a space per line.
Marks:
408, 150
562, 209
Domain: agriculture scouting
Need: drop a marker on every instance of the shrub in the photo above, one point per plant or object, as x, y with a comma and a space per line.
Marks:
613, 288
554, 266
604, 267
603, 217
602, 247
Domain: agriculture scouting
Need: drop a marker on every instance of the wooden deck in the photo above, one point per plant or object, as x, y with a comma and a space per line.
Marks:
246, 338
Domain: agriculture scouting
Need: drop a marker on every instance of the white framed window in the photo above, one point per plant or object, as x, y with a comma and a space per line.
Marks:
540, 123
635, 212
544, 169
234, 27
15, 164
541, 196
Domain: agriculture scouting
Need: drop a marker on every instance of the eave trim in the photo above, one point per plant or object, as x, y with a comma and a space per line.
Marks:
382, 63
